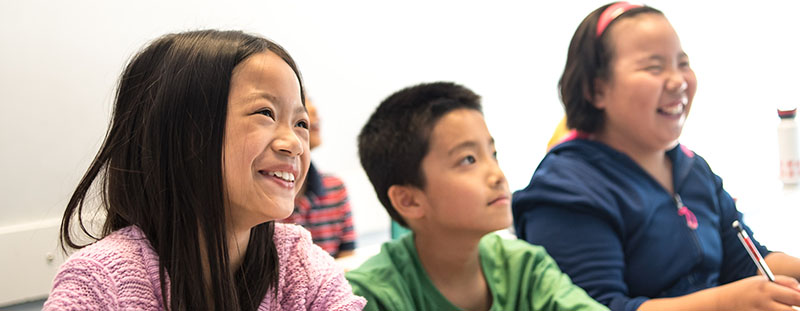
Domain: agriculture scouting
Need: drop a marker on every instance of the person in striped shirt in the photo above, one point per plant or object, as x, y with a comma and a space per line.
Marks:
322, 206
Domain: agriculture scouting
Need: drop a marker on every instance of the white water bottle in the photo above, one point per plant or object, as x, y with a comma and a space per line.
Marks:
787, 147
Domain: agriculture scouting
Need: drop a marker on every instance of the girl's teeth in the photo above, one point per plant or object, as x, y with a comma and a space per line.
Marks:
677, 109
284, 175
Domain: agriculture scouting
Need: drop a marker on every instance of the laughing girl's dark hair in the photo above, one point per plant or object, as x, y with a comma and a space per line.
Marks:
588, 59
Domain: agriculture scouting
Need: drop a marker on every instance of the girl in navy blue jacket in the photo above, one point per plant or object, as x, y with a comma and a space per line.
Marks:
636, 219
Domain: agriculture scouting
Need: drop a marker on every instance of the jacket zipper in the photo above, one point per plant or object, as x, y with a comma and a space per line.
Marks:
691, 220
691, 225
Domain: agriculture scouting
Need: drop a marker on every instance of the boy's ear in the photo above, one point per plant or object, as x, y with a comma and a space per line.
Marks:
598, 98
406, 201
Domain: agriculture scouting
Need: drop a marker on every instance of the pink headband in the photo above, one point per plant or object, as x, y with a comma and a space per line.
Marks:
611, 13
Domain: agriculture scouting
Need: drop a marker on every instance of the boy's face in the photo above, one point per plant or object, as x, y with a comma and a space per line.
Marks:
465, 188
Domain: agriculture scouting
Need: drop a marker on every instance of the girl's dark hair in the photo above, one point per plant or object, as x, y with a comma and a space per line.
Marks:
160, 169
588, 58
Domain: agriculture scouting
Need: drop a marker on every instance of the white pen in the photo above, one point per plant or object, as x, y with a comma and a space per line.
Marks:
754, 254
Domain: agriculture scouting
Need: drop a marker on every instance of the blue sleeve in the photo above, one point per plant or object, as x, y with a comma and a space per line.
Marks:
586, 247
736, 262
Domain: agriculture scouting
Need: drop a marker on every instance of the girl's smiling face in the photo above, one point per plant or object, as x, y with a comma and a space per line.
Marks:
266, 150
650, 87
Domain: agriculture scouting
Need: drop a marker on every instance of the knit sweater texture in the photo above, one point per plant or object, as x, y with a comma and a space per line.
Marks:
120, 272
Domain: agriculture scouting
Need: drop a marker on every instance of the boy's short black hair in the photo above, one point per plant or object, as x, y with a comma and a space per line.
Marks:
395, 139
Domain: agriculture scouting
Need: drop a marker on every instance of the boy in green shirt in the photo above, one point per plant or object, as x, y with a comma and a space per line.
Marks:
428, 153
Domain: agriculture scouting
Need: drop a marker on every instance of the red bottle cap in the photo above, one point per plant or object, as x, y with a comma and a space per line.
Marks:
787, 114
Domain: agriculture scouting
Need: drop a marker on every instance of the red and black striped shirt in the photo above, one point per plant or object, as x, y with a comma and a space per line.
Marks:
324, 210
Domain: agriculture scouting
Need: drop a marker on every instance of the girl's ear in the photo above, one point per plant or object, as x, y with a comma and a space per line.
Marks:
598, 99
407, 201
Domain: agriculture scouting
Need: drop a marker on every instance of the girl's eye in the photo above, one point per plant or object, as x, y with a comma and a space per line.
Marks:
684, 64
467, 160
494, 154
303, 124
267, 113
653, 69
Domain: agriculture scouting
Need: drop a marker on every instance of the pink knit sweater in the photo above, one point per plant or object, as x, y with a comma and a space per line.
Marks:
120, 272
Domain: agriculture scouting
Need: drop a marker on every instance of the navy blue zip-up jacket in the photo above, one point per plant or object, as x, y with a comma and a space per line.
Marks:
620, 235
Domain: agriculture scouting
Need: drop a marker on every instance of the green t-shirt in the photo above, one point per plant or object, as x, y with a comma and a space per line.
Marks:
520, 276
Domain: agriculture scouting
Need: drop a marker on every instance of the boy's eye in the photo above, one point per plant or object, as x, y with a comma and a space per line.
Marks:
267, 113
494, 155
302, 123
467, 160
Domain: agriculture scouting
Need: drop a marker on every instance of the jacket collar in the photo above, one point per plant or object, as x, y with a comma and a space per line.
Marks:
682, 157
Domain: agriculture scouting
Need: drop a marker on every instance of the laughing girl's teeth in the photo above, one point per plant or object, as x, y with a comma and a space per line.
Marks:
673, 110
287, 176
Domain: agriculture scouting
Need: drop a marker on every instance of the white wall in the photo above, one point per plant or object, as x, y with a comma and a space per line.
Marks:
59, 61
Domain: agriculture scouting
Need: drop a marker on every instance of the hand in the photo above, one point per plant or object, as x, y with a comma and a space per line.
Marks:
758, 293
